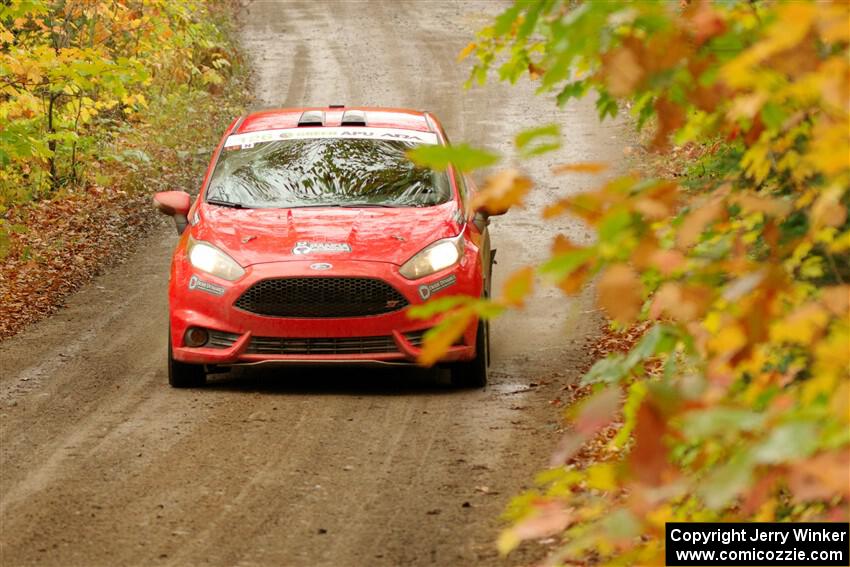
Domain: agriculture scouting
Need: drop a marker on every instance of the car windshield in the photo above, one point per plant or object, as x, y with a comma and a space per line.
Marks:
316, 172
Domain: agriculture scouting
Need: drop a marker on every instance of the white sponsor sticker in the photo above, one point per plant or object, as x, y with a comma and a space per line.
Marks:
427, 290
197, 283
305, 247
249, 139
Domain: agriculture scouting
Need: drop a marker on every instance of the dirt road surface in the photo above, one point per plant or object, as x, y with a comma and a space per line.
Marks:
101, 463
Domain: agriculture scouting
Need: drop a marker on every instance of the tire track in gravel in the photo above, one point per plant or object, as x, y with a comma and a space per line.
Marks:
102, 464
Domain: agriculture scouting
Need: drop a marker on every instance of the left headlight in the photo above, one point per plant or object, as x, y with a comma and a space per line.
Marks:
434, 257
210, 259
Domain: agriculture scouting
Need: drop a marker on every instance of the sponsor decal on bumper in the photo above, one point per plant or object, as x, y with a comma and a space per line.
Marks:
427, 290
196, 283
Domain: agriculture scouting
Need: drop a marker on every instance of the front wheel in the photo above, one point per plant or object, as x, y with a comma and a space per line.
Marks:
473, 374
182, 374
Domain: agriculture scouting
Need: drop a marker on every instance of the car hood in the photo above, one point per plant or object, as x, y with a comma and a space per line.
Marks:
257, 236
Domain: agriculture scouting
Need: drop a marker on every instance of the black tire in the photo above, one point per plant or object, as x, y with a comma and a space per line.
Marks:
473, 374
182, 374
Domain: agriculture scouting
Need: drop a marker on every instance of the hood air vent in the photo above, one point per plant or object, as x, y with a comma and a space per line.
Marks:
353, 118
312, 118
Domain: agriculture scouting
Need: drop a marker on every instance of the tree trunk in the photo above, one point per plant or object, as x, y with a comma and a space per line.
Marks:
51, 144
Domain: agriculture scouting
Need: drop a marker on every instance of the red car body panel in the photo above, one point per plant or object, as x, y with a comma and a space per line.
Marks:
262, 242
375, 234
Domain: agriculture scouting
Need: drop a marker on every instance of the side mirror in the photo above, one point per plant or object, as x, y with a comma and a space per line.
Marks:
488, 212
174, 204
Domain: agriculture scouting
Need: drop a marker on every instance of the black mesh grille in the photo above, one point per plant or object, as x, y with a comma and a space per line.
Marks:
321, 297
344, 345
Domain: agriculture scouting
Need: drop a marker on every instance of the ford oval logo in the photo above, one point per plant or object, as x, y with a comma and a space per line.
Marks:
321, 266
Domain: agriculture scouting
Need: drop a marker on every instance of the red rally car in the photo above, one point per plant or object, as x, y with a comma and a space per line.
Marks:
312, 234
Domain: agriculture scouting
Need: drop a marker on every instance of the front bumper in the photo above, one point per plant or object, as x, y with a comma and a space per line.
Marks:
212, 308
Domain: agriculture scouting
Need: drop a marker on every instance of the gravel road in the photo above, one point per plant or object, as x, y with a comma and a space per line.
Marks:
101, 463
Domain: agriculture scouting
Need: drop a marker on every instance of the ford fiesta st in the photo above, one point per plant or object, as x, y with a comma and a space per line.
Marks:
312, 235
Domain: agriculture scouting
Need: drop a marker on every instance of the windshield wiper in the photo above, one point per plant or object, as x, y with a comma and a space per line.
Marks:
225, 204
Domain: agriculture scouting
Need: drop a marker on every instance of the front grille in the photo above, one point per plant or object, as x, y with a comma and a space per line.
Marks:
343, 345
220, 339
415, 338
321, 297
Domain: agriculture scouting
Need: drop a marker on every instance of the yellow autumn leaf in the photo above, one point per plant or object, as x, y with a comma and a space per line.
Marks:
507, 541
729, 340
660, 516
602, 476
832, 354
802, 326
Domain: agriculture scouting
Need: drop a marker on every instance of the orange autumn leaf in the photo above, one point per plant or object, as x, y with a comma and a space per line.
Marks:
707, 22
680, 302
751, 203
466, 51
697, 220
622, 70
440, 338
671, 117
667, 261
821, 477
574, 282
659, 202
837, 299
502, 191
645, 249
648, 459
587, 206
535, 71
619, 293
562, 244
582, 167
517, 287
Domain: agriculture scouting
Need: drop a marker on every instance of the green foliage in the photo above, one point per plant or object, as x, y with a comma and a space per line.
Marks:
735, 400
537, 141
72, 74
461, 156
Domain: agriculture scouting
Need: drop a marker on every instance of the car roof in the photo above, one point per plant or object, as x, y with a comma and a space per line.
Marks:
335, 115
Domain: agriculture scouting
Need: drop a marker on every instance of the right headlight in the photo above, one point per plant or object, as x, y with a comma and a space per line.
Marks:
210, 259
434, 257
